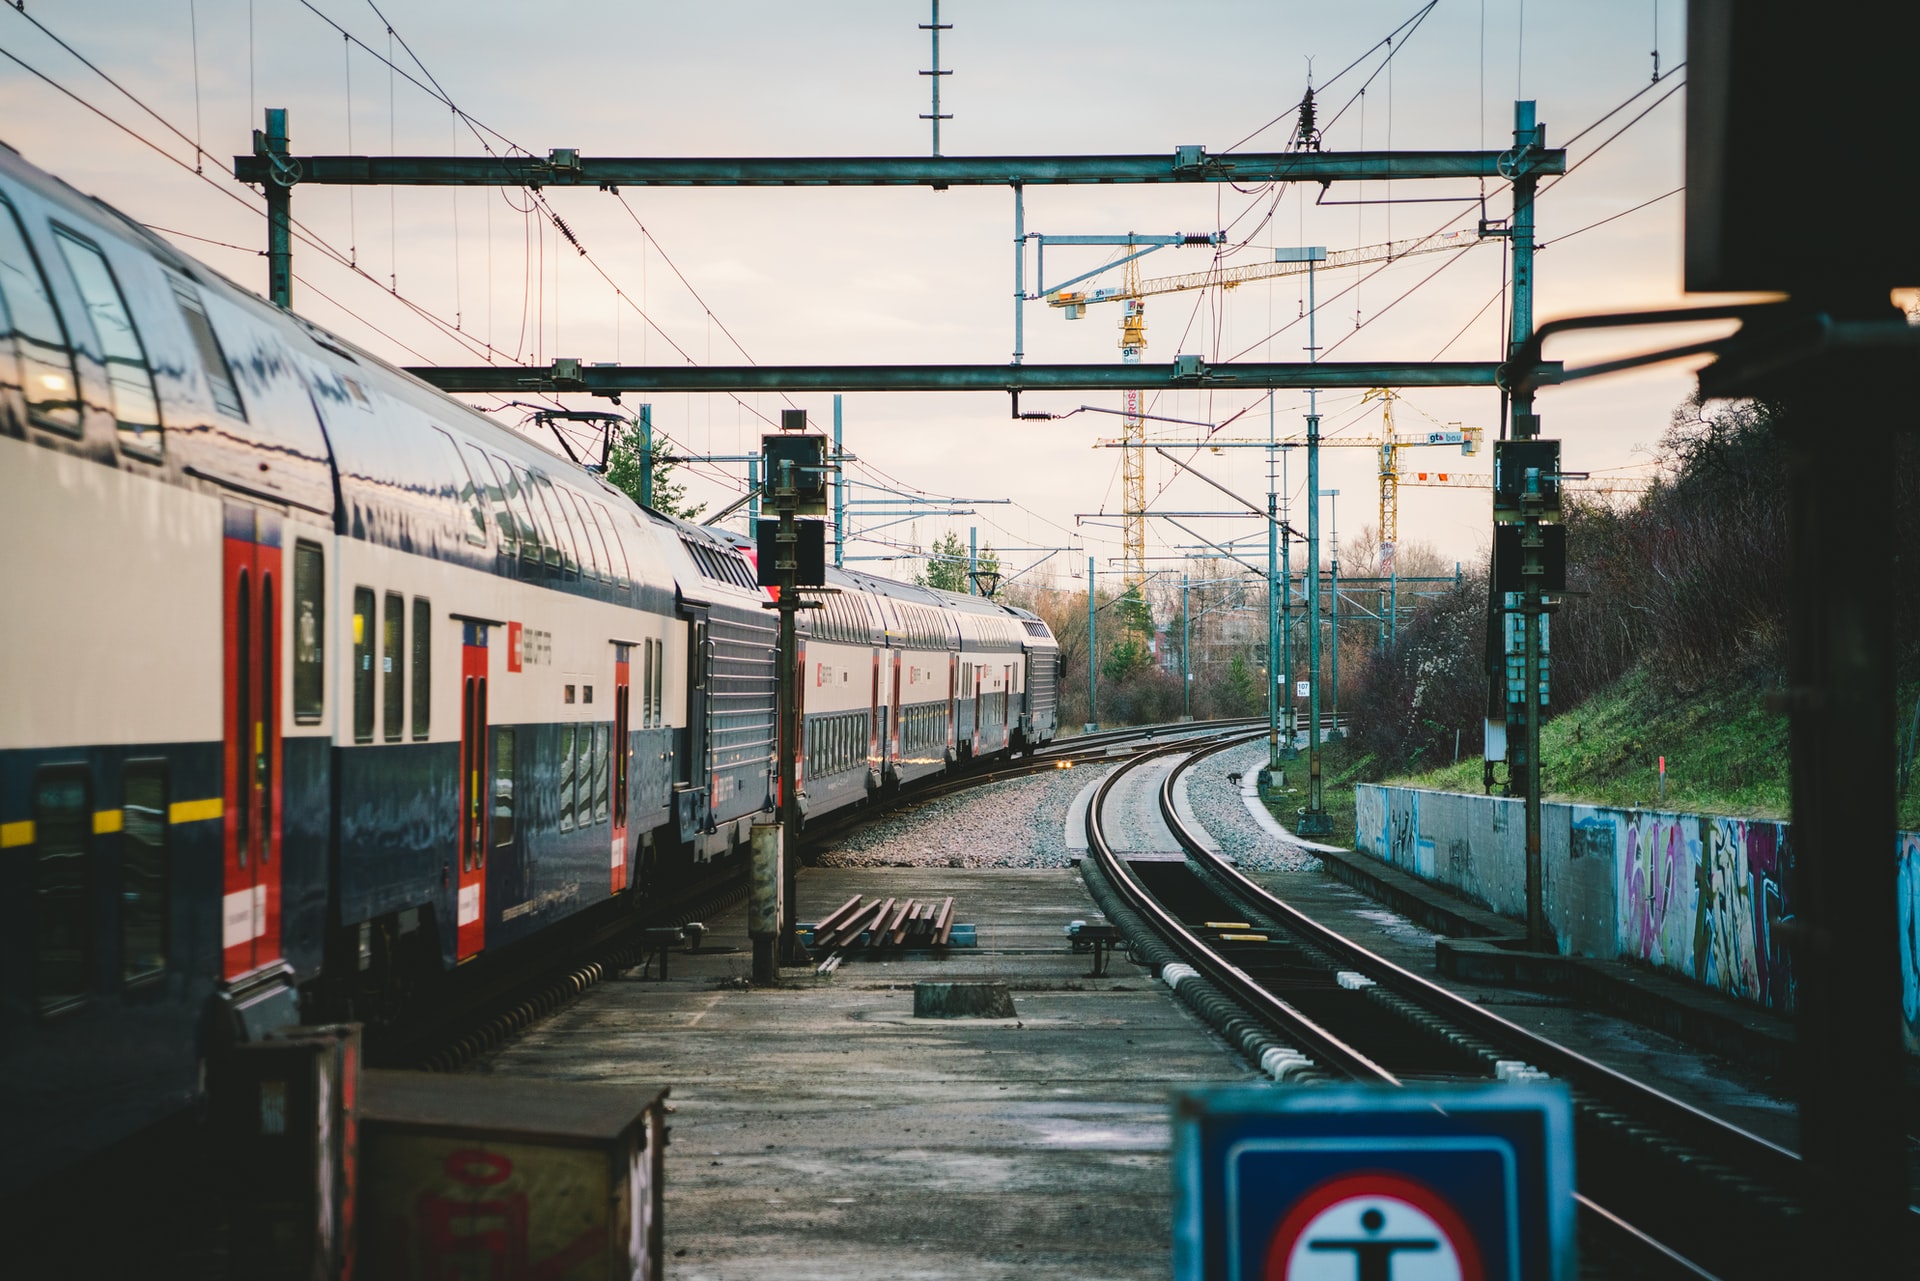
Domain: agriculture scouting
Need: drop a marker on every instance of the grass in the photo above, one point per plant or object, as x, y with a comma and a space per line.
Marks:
1341, 766
1726, 754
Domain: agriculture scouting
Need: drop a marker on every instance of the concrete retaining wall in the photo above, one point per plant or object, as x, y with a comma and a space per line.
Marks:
1697, 895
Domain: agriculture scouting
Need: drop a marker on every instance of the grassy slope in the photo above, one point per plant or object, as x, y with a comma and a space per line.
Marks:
1725, 753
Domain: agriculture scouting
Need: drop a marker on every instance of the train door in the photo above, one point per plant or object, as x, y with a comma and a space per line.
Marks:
953, 709
875, 729
471, 902
899, 708
622, 754
250, 903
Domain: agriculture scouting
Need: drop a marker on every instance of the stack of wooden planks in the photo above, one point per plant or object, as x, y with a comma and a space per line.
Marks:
878, 924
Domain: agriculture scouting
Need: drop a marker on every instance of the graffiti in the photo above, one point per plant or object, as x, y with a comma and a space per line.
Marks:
1910, 937
1705, 897
1656, 895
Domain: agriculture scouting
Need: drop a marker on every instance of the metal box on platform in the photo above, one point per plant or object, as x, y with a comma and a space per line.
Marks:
479, 1176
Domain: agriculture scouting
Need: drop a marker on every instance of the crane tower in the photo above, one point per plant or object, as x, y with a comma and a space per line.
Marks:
1133, 341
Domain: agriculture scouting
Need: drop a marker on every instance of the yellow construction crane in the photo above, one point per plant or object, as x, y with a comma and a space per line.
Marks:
1133, 342
1133, 466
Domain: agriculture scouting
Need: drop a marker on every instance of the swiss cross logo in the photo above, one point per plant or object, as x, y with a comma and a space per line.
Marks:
513, 647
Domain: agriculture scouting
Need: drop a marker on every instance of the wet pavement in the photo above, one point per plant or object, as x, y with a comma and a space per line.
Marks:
823, 1131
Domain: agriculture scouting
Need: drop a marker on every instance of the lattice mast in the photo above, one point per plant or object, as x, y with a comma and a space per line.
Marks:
1133, 341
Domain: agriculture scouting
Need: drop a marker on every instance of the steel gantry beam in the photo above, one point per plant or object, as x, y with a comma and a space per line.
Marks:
566, 167
613, 380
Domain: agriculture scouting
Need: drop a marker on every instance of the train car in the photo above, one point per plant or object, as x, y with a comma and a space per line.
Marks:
322, 688
1039, 718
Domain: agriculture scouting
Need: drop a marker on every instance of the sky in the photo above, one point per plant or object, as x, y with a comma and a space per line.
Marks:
912, 276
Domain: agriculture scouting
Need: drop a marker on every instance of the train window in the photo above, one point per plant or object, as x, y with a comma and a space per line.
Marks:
422, 666
568, 557
502, 818
617, 551
515, 480
592, 556
646, 687
309, 633
136, 407
62, 901
46, 370
363, 664
143, 870
393, 666
213, 361
602, 738
659, 680
583, 775
469, 495
485, 475
566, 778
543, 547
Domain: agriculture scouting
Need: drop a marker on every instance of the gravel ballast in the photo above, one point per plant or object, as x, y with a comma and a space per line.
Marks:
1222, 810
1019, 823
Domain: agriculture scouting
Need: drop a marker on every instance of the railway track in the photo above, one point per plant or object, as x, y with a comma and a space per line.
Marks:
1665, 1189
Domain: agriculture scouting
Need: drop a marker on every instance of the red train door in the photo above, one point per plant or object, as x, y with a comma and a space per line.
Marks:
899, 709
622, 751
470, 911
250, 904
873, 718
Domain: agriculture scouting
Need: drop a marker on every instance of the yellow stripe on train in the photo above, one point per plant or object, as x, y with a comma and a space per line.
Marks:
196, 811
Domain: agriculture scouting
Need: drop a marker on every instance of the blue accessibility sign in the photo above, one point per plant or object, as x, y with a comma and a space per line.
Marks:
1374, 1183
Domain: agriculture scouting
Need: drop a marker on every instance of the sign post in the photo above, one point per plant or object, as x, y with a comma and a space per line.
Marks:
1467, 1182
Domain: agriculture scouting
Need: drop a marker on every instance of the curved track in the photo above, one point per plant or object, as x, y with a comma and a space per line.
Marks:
1666, 1189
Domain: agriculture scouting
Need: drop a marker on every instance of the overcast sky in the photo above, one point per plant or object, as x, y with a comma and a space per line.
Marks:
873, 276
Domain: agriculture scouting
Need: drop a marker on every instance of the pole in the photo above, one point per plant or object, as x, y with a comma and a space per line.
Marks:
1288, 750
1333, 610
973, 559
1275, 690
1846, 931
1393, 605
753, 492
1186, 648
1019, 270
787, 565
646, 455
1313, 819
840, 488
271, 142
1526, 425
1093, 718
1531, 569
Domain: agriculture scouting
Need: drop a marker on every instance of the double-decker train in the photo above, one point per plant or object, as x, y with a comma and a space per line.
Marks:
317, 685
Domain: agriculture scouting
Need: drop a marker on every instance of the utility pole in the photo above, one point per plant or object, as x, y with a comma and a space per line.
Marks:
1527, 136
1276, 692
1186, 649
1290, 750
1333, 611
270, 144
936, 27
1093, 717
973, 559
646, 456
1313, 819
839, 491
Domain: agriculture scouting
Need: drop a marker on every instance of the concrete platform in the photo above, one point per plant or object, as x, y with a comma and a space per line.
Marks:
823, 1131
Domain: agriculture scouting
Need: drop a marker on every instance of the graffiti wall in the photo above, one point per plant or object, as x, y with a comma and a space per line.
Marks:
1910, 937
1697, 895
1702, 896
